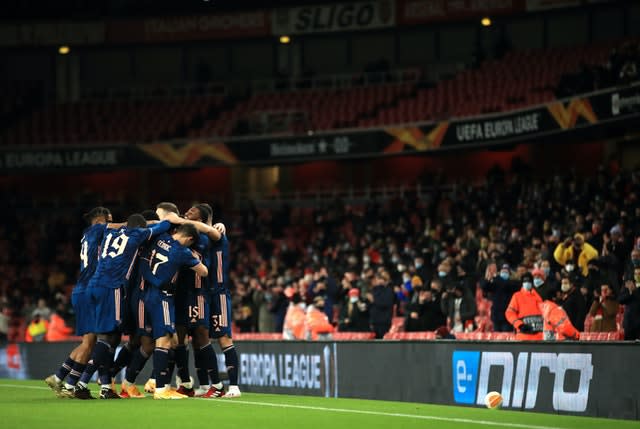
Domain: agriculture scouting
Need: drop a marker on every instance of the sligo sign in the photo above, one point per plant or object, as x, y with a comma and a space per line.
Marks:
334, 17
472, 372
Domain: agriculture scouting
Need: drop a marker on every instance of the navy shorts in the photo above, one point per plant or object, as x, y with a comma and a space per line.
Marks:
221, 317
109, 307
192, 310
84, 311
159, 312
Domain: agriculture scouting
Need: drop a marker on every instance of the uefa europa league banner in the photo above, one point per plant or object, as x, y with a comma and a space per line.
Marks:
565, 119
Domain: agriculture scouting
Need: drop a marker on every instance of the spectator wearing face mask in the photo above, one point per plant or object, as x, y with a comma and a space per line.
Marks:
604, 310
354, 313
524, 312
544, 289
573, 303
574, 253
499, 288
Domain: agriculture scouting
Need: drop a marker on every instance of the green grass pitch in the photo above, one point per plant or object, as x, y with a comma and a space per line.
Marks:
30, 404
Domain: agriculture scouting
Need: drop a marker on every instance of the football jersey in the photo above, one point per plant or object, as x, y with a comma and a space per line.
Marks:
166, 258
219, 265
118, 253
89, 247
187, 278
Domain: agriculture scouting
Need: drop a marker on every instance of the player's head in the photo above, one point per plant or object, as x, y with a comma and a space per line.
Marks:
149, 214
98, 215
136, 221
186, 234
165, 208
200, 212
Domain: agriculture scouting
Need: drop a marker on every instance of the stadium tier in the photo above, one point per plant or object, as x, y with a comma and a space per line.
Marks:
519, 79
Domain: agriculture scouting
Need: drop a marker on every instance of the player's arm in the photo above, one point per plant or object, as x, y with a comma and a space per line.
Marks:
158, 228
112, 225
210, 231
201, 269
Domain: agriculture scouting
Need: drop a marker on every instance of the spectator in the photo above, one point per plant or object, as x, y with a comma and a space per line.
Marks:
557, 325
499, 288
574, 252
261, 298
604, 311
37, 328
4, 323
543, 288
317, 325
523, 311
354, 313
573, 303
58, 330
381, 300
279, 305
42, 309
630, 298
460, 309
294, 320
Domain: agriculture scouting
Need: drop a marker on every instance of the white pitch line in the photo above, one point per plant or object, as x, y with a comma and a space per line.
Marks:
347, 411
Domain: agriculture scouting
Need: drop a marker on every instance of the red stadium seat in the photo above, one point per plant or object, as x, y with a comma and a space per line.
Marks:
425, 335
353, 336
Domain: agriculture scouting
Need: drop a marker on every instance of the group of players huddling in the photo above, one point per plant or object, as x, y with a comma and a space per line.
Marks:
161, 279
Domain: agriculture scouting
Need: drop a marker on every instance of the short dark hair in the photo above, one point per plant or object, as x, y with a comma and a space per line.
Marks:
188, 230
150, 214
136, 220
205, 212
95, 213
170, 207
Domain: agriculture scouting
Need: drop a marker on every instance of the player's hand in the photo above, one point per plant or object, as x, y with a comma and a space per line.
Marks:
220, 228
174, 218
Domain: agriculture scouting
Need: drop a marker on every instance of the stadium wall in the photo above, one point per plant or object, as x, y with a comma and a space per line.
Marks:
569, 378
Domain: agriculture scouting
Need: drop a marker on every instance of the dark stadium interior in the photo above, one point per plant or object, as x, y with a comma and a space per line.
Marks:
355, 146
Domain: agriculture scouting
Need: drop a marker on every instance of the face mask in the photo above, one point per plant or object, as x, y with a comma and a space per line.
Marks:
635, 262
366, 259
418, 265
568, 267
394, 259
527, 285
504, 276
353, 299
442, 273
406, 278
637, 279
401, 267
537, 282
546, 271
565, 287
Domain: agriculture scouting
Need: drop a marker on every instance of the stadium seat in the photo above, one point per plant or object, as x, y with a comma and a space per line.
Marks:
353, 336
425, 335
257, 336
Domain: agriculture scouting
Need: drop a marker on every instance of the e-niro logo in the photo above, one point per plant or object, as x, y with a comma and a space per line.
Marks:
471, 371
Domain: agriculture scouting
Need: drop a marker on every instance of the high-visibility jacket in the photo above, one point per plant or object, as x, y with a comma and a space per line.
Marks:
317, 323
557, 325
294, 322
524, 307
563, 254
36, 331
58, 330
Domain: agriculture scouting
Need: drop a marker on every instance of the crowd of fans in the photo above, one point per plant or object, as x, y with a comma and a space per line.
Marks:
416, 256
424, 257
623, 67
